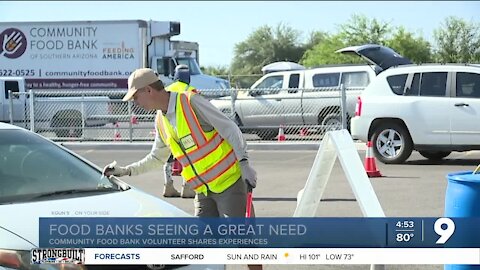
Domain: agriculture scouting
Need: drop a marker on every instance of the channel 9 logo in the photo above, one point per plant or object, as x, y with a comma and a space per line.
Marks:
58, 255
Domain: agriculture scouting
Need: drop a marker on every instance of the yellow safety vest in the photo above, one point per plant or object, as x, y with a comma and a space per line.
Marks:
212, 157
179, 87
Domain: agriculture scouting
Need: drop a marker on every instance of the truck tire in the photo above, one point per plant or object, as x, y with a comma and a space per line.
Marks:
68, 124
434, 155
332, 122
392, 143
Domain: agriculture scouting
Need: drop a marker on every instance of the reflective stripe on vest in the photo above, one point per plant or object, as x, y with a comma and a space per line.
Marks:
212, 157
178, 87
200, 153
192, 121
215, 171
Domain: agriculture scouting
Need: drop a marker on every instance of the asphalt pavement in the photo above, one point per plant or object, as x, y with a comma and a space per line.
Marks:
414, 189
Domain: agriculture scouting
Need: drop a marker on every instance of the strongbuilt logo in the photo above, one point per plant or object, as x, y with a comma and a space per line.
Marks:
13, 43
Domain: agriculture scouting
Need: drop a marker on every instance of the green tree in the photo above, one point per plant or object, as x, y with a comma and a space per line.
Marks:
217, 71
417, 49
315, 38
357, 30
361, 30
264, 46
324, 53
457, 41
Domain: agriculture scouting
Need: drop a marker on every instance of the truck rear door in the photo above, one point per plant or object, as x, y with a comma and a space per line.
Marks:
18, 101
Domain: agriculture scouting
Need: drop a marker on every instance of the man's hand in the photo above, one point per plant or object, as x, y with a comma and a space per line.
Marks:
113, 169
249, 175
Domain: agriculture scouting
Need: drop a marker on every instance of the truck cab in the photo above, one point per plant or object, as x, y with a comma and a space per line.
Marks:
166, 54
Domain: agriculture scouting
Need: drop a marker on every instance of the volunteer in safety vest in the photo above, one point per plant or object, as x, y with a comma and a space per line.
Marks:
210, 146
181, 84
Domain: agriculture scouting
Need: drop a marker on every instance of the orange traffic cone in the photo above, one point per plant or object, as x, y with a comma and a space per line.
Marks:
370, 165
134, 120
281, 134
117, 136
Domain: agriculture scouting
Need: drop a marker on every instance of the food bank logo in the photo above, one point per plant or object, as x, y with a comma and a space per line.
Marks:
13, 43
119, 52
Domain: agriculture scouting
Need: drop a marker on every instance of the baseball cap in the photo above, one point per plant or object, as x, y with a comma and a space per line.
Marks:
182, 74
139, 79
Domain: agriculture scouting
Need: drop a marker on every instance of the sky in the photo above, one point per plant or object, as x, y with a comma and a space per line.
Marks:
218, 25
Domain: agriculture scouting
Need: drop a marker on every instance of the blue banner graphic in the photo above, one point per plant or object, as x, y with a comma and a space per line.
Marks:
259, 232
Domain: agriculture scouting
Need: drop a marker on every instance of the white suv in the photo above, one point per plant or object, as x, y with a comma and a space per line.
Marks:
431, 108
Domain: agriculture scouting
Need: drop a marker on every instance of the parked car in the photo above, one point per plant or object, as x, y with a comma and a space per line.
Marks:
39, 178
297, 98
431, 108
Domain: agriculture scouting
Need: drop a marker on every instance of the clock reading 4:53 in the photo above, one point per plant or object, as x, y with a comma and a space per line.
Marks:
405, 224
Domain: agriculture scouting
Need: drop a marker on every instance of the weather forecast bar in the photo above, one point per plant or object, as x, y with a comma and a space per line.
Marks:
282, 256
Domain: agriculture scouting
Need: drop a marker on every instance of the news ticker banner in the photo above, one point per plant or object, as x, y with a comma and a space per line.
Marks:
259, 233
182, 256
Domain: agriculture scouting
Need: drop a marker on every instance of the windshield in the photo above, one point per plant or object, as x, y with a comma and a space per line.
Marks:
191, 63
32, 166
271, 82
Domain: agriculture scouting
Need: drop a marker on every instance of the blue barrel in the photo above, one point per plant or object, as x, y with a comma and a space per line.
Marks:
462, 199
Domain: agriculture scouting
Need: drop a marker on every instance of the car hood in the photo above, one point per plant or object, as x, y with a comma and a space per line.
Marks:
19, 224
381, 56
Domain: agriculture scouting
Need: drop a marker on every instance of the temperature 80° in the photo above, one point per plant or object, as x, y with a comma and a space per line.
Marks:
404, 237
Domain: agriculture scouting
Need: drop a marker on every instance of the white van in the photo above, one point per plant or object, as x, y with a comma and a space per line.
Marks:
298, 97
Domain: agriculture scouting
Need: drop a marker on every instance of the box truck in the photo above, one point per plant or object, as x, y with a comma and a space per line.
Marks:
97, 54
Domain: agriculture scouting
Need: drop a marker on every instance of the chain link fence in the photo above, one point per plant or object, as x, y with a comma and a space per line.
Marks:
261, 114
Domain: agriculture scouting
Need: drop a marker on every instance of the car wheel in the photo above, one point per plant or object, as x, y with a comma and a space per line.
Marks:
434, 155
392, 143
68, 123
332, 122
73, 131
